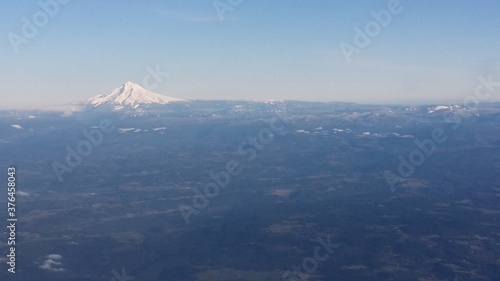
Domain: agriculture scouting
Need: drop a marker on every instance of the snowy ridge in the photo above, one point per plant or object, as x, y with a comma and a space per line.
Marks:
131, 95
442, 107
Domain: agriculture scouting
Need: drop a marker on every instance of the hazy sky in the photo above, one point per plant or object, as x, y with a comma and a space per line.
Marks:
261, 49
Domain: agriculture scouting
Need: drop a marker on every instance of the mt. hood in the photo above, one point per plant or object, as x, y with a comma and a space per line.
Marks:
130, 95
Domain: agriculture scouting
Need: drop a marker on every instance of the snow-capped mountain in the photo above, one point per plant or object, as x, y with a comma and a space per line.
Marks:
442, 107
130, 95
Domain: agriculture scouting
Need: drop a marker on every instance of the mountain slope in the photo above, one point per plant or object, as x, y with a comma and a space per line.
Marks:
130, 95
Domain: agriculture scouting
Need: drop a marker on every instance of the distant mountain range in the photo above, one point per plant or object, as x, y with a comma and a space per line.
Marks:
131, 98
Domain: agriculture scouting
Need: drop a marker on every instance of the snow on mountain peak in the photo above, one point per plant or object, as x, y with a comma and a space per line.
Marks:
131, 94
442, 107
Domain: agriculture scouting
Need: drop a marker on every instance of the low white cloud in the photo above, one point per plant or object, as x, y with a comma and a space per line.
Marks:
53, 263
22, 193
17, 126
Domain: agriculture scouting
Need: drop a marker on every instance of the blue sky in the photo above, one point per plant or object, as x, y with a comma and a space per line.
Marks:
431, 51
